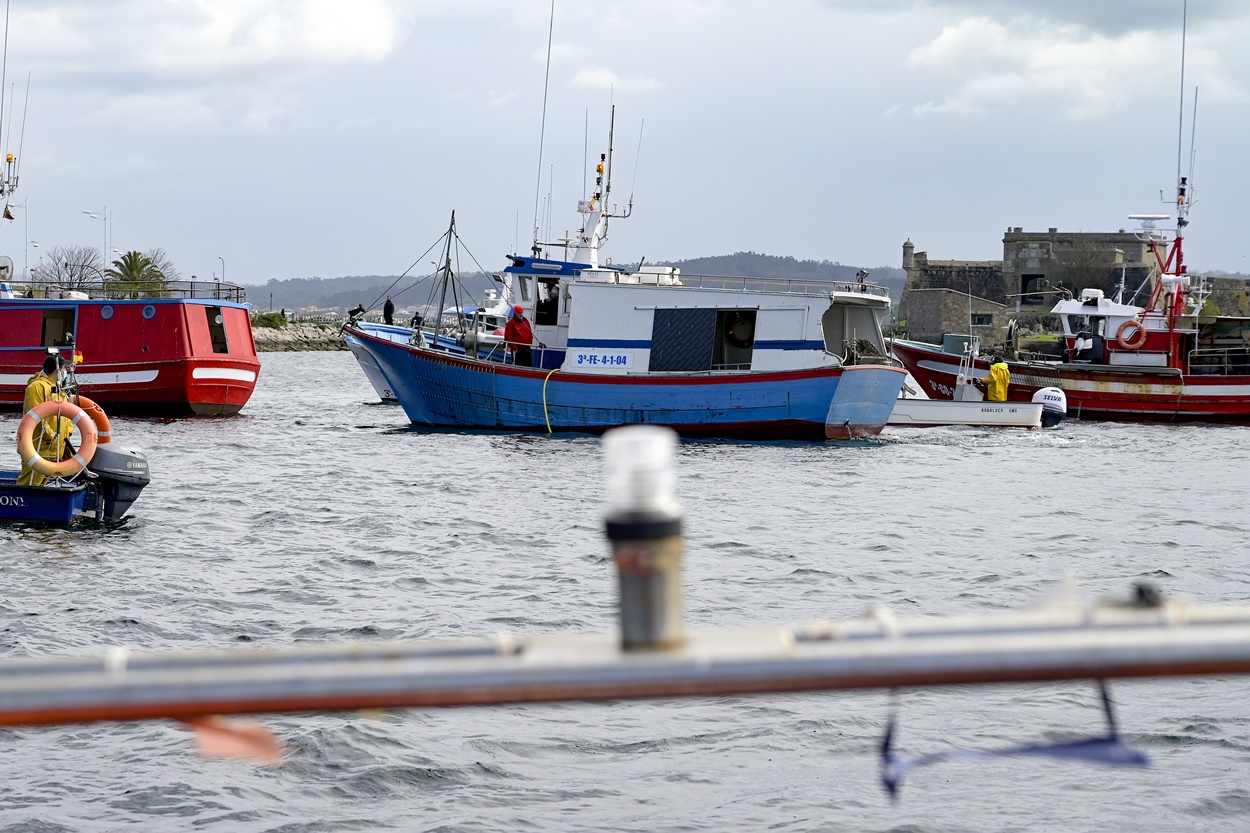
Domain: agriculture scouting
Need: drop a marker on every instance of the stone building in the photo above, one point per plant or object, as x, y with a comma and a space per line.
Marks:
1036, 269
932, 313
1036, 266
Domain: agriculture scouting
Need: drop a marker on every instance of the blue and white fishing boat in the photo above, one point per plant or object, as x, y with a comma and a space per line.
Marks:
708, 356
460, 329
389, 332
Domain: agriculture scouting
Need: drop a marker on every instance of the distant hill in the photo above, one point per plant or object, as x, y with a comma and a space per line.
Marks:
368, 290
371, 290
754, 265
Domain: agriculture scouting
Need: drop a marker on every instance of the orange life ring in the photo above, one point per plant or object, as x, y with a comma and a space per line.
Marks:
86, 444
103, 427
1137, 339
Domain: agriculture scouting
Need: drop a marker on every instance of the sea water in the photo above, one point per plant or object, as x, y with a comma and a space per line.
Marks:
320, 515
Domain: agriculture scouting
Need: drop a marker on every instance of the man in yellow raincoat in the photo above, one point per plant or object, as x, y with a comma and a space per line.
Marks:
51, 435
998, 380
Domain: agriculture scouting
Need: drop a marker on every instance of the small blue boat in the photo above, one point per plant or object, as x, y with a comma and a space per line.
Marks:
60, 503
104, 492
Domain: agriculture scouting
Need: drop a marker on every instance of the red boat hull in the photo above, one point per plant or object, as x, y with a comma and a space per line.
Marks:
1098, 392
159, 357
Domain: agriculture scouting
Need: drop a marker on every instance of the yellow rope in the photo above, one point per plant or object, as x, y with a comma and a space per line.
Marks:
546, 415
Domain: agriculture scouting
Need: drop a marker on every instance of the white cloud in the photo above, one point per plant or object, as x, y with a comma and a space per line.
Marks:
1094, 15
1061, 68
604, 78
198, 59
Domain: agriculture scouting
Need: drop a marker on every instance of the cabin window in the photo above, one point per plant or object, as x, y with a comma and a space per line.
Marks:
735, 339
217, 329
982, 320
683, 340
547, 307
523, 286
57, 323
851, 332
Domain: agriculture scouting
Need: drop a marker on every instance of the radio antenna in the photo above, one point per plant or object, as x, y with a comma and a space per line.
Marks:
543, 127
1180, 119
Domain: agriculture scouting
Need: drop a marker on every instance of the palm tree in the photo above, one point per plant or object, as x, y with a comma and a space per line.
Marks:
135, 273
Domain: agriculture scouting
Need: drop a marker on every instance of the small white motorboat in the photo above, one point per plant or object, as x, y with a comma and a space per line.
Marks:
968, 406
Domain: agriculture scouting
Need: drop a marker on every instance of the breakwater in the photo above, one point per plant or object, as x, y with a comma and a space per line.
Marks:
298, 336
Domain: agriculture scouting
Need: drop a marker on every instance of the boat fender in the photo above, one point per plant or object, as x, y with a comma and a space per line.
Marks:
102, 425
88, 437
1131, 335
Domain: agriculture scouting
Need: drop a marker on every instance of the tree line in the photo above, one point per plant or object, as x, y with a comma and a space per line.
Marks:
82, 268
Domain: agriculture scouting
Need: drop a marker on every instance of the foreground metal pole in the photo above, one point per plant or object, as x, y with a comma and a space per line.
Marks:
644, 526
652, 656
1070, 643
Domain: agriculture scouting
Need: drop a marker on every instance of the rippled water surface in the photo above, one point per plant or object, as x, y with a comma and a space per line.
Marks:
318, 515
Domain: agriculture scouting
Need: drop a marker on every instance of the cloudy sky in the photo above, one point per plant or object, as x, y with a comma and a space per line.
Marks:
297, 138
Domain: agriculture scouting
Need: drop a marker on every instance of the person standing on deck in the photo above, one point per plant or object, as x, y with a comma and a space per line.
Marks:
519, 336
52, 434
388, 311
997, 382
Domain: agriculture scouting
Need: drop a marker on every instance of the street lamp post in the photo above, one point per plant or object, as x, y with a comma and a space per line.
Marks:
223, 268
26, 236
105, 216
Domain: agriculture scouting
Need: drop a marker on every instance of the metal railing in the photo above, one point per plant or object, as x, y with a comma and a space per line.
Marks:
132, 290
1220, 361
788, 286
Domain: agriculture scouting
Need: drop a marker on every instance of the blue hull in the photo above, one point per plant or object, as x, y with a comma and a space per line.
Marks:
42, 504
436, 388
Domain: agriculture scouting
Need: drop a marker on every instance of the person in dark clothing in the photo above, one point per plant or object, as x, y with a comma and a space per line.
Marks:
519, 336
418, 320
388, 311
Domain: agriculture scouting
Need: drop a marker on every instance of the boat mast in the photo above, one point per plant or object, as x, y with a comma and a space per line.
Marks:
445, 269
595, 210
8, 175
1173, 278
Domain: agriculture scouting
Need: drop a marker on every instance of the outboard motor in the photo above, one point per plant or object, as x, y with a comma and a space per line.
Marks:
1054, 406
119, 475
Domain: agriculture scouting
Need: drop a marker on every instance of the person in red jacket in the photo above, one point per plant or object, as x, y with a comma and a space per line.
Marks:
519, 337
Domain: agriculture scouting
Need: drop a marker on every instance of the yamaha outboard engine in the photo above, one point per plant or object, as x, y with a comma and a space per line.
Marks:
1054, 406
119, 475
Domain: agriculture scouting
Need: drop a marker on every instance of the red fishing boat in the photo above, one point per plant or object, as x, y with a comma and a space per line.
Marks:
1165, 362
175, 348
